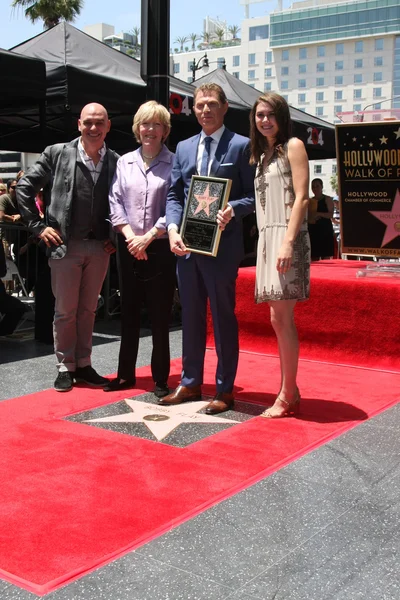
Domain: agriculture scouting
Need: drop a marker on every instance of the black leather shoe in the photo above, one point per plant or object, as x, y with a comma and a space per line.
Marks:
64, 382
88, 375
161, 390
116, 385
220, 403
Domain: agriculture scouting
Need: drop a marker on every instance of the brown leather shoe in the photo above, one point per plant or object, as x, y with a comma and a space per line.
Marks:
220, 403
182, 394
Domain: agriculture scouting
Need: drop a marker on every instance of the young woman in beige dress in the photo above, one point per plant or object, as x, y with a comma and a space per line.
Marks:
283, 254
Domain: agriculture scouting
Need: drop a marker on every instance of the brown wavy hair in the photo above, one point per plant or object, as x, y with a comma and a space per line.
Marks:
282, 114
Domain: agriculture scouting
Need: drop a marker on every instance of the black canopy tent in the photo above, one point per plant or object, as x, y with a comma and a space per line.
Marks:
81, 69
317, 135
23, 100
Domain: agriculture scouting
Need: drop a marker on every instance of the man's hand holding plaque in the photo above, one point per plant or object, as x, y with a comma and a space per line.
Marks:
206, 216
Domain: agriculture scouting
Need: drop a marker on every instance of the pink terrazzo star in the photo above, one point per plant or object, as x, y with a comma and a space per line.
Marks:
391, 219
204, 200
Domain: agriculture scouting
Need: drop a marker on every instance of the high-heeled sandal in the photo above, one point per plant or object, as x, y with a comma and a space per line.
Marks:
292, 408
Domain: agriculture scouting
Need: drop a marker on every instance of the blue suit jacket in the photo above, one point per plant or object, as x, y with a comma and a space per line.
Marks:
231, 161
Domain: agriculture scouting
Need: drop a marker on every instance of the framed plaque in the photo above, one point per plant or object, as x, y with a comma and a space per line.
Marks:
199, 230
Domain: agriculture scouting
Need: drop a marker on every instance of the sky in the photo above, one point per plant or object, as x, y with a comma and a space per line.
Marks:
186, 17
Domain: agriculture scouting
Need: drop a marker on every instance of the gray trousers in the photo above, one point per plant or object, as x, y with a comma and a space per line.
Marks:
76, 281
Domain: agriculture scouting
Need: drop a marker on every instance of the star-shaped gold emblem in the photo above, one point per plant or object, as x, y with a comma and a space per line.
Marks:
204, 200
397, 133
383, 140
161, 420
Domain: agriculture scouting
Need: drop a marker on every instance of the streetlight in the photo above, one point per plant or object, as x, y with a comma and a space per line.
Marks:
196, 66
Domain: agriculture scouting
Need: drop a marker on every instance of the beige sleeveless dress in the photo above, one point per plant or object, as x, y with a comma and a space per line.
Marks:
274, 201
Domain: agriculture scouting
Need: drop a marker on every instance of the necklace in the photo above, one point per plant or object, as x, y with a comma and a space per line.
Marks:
150, 157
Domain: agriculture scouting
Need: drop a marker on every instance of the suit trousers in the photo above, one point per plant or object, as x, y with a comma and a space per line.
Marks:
150, 282
76, 281
201, 277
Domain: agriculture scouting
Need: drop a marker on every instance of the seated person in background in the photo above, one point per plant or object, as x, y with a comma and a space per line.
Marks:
321, 231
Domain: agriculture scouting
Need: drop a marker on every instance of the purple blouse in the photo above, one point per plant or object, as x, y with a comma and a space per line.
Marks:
137, 197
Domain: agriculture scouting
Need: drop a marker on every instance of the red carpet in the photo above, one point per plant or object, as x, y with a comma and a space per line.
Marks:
347, 320
73, 497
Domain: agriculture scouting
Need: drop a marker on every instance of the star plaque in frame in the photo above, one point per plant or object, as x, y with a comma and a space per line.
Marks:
199, 229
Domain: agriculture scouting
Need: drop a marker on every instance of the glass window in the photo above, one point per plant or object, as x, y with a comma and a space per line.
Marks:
284, 85
302, 83
268, 72
317, 169
302, 53
221, 64
339, 49
301, 98
190, 65
339, 65
268, 57
284, 70
177, 67
377, 76
319, 97
378, 61
356, 107
359, 46
339, 95
259, 32
334, 169
320, 50
338, 109
253, 85
267, 86
285, 97
320, 67
252, 59
377, 93
320, 81
236, 74
377, 107
357, 94
339, 80
251, 74
302, 68
379, 44
358, 63
235, 61
358, 78
285, 54
319, 111
190, 79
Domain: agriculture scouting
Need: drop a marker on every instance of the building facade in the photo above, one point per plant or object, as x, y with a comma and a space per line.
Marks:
325, 57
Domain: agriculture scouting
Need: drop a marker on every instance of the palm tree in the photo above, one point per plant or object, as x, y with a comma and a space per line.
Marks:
193, 37
234, 30
207, 37
181, 40
220, 33
136, 33
51, 12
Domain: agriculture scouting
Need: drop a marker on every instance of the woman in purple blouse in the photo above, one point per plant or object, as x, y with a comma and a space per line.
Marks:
146, 264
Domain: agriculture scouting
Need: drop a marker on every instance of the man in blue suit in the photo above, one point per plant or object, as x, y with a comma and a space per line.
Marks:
217, 152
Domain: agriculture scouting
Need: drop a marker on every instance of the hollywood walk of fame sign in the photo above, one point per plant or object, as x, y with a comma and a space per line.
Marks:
162, 420
199, 229
368, 162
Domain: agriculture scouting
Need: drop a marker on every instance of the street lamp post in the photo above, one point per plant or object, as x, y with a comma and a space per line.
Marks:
196, 66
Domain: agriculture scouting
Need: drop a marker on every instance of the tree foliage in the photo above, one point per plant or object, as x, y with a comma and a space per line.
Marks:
51, 12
